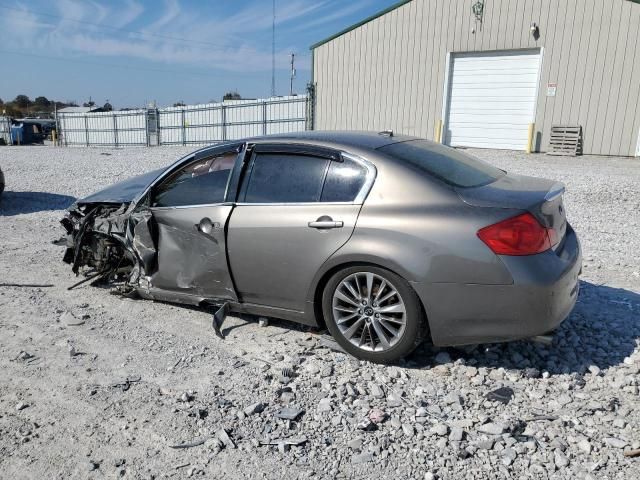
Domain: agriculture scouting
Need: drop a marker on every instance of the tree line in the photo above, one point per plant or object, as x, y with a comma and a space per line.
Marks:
23, 106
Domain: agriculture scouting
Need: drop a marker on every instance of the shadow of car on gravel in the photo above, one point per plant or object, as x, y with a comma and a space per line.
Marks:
17, 203
602, 330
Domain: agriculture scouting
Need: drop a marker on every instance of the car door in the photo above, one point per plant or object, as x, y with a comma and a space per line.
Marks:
191, 214
296, 206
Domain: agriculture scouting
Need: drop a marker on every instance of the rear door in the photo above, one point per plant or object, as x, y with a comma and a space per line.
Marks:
190, 211
296, 207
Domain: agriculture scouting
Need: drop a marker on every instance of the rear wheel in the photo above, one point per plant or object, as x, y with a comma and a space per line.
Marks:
373, 313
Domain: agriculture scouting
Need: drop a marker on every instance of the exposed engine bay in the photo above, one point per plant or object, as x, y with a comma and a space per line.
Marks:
105, 246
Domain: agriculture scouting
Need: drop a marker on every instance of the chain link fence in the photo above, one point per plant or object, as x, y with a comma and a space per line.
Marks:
191, 124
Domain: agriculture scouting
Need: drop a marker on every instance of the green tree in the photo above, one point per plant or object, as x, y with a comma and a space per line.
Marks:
42, 103
22, 102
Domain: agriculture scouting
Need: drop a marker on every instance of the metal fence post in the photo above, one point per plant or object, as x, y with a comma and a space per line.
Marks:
115, 130
86, 129
310, 107
159, 136
264, 117
63, 132
223, 110
184, 132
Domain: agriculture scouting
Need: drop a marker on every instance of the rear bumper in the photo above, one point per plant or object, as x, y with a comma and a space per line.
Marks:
543, 293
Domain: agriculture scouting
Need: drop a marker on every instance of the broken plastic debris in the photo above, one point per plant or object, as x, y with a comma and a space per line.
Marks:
194, 443
223, 436
218, 317
295, 441
502, 395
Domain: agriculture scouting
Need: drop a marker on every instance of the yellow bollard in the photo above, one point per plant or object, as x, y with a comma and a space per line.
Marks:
532, 127
438, 133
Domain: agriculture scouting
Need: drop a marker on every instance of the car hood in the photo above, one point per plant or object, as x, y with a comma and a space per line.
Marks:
125, 191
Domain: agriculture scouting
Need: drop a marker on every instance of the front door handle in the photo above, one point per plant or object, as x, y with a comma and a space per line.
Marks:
206, 227
325, 222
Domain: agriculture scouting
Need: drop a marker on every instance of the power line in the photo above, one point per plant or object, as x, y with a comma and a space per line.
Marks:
112, 28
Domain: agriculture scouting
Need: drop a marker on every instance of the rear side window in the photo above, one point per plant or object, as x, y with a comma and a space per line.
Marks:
285, 178
344, 181
202, 182
447, 164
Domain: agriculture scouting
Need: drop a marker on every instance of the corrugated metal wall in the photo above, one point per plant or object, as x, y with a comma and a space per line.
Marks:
232, 119
190, 124
390, 72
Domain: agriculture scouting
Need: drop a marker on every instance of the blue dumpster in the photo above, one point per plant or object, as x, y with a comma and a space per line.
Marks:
17, 134
26, 133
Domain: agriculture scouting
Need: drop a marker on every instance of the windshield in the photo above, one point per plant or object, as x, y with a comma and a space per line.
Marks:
447, 164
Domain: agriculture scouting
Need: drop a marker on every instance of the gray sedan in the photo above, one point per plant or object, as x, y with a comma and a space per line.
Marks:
384, 239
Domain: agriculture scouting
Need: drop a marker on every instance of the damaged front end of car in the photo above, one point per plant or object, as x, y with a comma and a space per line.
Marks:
108, 240
107, 243
113, 244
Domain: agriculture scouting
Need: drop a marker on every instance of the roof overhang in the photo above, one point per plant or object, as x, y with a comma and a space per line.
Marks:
359, 24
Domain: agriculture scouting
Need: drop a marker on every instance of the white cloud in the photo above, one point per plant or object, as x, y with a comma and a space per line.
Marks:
337, 15
171, 12
128, 14
219, 41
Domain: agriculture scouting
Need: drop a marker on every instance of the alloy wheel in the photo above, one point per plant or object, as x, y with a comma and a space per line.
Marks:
369, 311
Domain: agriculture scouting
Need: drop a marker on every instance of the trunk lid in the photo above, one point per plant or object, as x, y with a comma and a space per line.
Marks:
539, 196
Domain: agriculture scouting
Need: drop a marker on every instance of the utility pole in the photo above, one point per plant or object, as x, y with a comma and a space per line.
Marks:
273, 52
293, 75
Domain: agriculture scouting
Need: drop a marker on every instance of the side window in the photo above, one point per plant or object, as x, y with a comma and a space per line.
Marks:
344, 181
285, 178
201, 182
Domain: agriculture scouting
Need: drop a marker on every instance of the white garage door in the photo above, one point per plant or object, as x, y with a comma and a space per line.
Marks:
492, 99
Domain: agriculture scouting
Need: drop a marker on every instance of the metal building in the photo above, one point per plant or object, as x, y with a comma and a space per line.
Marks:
487, 73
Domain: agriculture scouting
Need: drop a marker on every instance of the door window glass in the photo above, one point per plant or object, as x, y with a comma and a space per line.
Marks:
285, 178
344, 181
202, 182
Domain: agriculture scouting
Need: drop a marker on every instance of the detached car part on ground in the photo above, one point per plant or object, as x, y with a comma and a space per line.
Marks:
386, 240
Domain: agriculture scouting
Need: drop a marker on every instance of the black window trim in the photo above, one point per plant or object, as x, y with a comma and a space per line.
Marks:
215, 151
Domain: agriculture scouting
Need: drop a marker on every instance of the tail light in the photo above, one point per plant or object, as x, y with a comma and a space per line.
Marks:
521, 235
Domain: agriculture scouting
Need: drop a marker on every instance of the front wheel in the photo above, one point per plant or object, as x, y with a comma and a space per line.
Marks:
373, 313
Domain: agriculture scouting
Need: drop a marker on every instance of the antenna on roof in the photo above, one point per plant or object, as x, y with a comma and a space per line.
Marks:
386, 133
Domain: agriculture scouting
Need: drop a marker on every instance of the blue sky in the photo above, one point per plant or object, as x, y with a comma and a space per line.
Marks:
135, 51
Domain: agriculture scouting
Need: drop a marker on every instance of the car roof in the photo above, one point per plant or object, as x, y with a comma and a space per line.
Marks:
357, 139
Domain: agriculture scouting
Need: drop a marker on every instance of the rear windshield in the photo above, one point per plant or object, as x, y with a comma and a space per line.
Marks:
447, 164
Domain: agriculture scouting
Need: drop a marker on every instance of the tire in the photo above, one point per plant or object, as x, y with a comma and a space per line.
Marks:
400, 318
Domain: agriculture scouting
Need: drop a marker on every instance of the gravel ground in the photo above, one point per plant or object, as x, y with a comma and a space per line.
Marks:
96, 386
